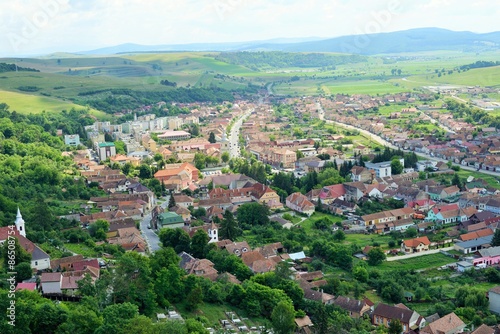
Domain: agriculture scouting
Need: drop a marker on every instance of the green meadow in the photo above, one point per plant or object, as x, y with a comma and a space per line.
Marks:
63, 76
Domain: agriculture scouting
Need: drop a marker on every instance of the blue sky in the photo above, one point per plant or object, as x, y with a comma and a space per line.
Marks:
44, 26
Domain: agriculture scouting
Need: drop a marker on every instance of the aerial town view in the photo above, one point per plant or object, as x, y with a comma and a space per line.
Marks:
233, 166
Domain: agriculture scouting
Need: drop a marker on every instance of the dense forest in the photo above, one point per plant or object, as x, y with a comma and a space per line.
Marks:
116, 100
276, 59
34, 172
480, 64
473, 115
4, 67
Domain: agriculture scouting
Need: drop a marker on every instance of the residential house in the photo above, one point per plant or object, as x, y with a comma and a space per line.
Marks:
181, 176
448, 324
355, 308
388, 216
300, 203
383, 314
494, 298
361, 150
183, 201
328, 194
474, 235
484, 329
488, 257
169, 220
182, 211
362, 174
410, 194
472, 246
51, 283
236, 248
354, 191
463, 266
303, 325
445, 214
204, 268
265, 195
421, 205
257, 262
493, 205
416, 245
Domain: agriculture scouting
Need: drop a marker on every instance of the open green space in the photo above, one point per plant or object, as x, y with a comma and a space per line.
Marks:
488, 76
33, 104
81, 249
417, 263
214, 313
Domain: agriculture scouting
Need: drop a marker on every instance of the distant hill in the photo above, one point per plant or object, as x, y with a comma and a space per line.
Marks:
414, 40
131, 48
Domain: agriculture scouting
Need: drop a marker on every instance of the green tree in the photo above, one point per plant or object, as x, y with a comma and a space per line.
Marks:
283, 318
19, 255
228, 227
199, 244
23, 271
116, 316
456, 181
169, 285
48, 317
496, 238
99, 229
133, 282
211, 137
395, 327
252, 214
360, 273
225, 157
195, 327
163, 258
171, 201
396, 166
145, 172
339, 235
376, 256
176, 238
194, 298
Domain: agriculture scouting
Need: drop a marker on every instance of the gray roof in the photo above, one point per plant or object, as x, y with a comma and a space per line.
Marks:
475, 243
464, 264
39, 254
492, 251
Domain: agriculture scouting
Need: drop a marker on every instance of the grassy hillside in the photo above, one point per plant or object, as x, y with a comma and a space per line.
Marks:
488, 76
27, 103
62, 77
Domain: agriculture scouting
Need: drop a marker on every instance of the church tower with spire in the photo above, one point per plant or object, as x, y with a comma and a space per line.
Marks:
20, 223
213, 234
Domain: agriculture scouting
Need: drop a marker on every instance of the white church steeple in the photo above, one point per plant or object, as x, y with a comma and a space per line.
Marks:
20, 223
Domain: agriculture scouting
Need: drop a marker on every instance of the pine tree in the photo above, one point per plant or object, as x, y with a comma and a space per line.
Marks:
228, 228
171, 201
496, 238
211, 138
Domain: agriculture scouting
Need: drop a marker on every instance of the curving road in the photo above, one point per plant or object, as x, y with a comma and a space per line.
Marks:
384, 142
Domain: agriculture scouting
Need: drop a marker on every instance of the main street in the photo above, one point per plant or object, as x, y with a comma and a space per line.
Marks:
234, 148
149, 235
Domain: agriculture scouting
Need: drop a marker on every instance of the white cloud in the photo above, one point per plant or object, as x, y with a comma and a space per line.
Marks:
72, 25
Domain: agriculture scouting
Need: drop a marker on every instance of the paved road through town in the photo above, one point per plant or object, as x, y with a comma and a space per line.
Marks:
149, 235
234, 148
